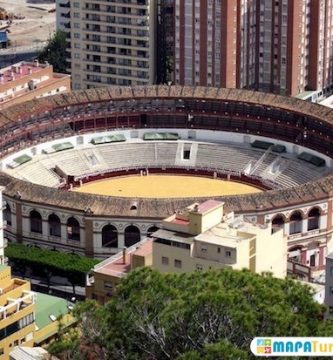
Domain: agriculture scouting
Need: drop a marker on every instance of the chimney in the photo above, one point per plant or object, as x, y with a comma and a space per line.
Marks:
124, 255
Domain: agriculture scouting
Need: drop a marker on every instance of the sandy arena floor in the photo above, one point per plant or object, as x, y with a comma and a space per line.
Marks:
165, 186
37, 26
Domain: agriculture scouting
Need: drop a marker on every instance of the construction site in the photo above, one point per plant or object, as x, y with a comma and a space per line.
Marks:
28, 23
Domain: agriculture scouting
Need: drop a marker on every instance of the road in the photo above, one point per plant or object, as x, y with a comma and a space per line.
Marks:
14, 54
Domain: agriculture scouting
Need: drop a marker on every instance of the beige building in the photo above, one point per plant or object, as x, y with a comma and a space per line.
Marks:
200, 238
111, 42
26, 81
107, 274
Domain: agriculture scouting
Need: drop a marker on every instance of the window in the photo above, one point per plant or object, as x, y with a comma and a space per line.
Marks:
36, 224
331, 270
313, 219
1, 351
203, 250
187, 154
228, 253
165, 260
199, 267
218, 250
108, 285
331, 290
76, 4
295, 225
178, 263
76, 36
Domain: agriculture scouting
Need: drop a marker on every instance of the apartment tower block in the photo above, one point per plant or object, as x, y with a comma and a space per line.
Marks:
279, 46
110, 42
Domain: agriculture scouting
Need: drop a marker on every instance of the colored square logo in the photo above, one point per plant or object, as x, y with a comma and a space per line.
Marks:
268, 342
260, 342
260, 349
268, 349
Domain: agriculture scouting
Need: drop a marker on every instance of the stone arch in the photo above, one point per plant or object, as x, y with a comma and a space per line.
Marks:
132, 235
314, 218
7, 214
295, 222
109, 236
73, 229
54, 225
36, 222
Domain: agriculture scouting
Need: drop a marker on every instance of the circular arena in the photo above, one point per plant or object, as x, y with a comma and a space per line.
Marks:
53, 149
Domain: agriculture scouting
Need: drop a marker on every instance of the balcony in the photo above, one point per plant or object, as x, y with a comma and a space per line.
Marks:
14, 305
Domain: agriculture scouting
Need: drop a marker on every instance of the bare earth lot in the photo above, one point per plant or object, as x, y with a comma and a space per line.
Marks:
38, 24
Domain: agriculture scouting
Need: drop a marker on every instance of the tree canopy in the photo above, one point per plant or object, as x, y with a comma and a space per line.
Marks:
48, 262
201, 315
55, 52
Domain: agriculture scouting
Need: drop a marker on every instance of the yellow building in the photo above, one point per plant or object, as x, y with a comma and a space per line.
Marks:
28, 318
201, 238
107, 274
17, 313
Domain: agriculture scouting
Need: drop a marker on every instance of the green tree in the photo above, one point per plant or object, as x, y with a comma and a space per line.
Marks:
48, 263
201, 315
55, 52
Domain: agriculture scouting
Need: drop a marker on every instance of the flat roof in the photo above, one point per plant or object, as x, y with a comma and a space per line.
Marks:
7, 72
47, 305
209, 205
115, 266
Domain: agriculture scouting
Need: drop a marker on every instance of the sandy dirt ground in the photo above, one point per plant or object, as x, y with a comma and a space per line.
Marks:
38, 24
165, 186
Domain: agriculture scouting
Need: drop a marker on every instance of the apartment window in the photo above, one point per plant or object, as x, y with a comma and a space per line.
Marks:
76, 15
77, 46
76, 56
76, 4
218, 250
187, 154
228, 253
331, 270
178, 263
108, 285
76, 25
203, 250
16, 343
331, 290
76, 36
165, 260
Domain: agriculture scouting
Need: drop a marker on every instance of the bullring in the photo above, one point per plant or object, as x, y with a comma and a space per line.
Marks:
282, 145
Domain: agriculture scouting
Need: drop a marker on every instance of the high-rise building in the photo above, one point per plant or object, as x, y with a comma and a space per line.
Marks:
282, 46
111, 42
